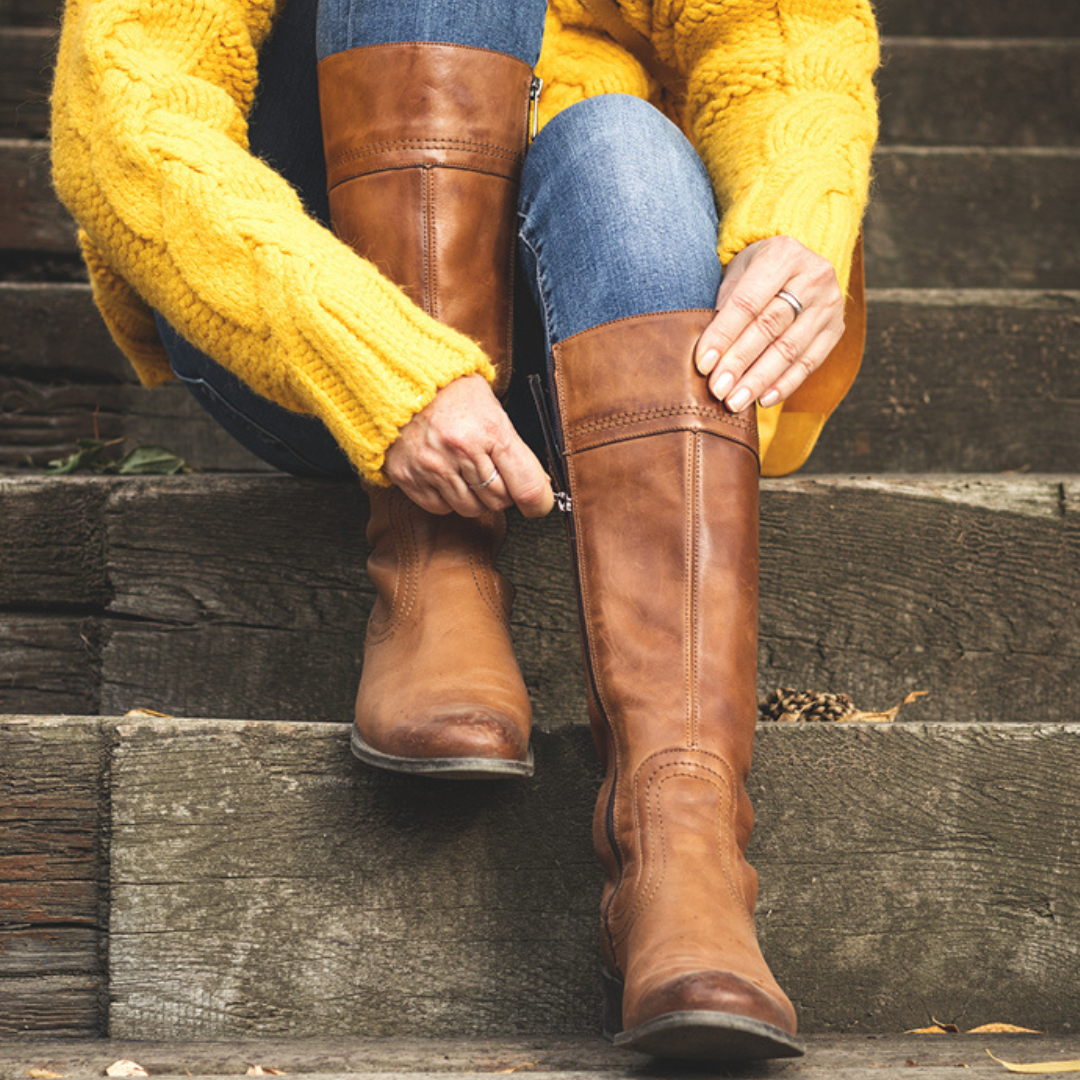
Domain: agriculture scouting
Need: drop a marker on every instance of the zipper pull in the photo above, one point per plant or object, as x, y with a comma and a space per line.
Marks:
534, 105
555, 467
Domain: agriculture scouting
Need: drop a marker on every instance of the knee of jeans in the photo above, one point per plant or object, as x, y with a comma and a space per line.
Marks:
616, 158
630, 149
614, 189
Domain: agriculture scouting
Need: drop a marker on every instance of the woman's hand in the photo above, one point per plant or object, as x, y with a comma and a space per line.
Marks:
758, 348
445, 455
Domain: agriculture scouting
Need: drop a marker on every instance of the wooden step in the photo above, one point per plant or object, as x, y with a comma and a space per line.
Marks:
246, 595
972, 18
850, 1057
980, 92
263, 884
27, 55
953, 381
966, 380
934, 91
939, 218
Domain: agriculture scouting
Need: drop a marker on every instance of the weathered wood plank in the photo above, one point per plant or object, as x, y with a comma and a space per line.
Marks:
26, 63
981, 92
52, 549
855, 1057
50, 1006
974, 18
264, 884
528, 891
961, 381
968, 588
941, 218
52, 914
966, 218
953, 380
49, 663
34, 220
42, 422
53, 332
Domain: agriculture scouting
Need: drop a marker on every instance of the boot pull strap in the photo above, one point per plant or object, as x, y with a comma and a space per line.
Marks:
607, 13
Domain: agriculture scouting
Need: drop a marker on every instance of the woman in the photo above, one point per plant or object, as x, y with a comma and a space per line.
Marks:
195, 149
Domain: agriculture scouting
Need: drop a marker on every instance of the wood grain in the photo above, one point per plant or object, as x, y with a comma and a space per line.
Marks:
981, 92
49, 663
265, 885
246, 596
26, 63
853, 1057
33, 220
52, 900
973, 219
966, 380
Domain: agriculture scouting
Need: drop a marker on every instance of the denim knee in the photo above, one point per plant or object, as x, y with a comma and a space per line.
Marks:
618, 217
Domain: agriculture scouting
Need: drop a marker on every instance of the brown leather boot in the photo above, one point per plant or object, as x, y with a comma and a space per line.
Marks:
424, 147
663, 483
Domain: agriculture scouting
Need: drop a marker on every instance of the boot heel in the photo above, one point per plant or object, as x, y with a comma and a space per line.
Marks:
613, 995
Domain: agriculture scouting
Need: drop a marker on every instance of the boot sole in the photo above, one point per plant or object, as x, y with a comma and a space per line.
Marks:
442, 768
697, 1035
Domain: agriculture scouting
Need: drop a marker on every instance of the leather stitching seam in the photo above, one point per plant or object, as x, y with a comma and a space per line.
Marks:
624, 418
462, 145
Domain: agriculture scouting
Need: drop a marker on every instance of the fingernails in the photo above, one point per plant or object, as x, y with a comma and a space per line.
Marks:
771, 398
706, 363
724, 382
739, 400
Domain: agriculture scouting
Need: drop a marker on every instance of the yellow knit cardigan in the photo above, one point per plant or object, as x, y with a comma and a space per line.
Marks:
149, 134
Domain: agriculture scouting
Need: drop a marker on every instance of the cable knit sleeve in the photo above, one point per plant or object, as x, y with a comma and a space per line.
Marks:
781, 105
150, 155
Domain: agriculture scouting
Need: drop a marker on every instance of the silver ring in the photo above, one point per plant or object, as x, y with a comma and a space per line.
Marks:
793, 300
484, 483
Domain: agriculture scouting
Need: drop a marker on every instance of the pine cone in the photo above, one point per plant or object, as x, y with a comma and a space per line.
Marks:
787, 705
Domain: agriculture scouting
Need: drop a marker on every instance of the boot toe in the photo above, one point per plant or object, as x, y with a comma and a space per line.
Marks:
713, 991
466, 733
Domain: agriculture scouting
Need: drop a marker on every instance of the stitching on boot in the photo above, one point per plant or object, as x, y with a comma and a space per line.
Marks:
431, 295
406, 579
722, 779
689, 555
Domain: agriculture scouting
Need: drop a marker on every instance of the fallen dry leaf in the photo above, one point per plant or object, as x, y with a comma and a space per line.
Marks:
936, 1028
1039, 1066
125, 1068
1003, 1029
44, 1074
136, 713
259, 1070
886, 717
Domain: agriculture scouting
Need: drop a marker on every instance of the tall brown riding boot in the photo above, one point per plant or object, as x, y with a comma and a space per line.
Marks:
424, 147
663, 485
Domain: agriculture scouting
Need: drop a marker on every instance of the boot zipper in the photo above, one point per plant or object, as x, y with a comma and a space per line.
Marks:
534, 106
563, 502
555, 458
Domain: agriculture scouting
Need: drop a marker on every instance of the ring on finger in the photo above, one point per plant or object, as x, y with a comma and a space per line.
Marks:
486, 483
792, 299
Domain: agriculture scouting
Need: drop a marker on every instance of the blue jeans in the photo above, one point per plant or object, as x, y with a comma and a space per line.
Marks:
616, 213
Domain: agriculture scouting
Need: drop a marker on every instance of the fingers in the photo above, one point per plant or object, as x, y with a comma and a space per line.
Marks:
761, 347
461, 454
527, 484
